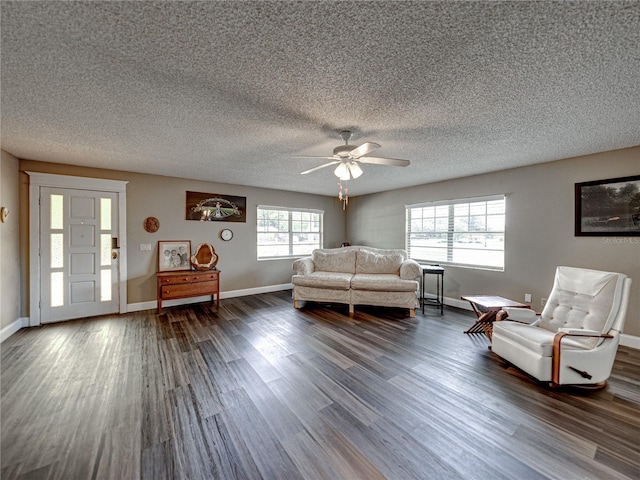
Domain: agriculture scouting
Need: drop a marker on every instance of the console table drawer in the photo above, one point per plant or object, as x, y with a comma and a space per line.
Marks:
180, 290
188, 278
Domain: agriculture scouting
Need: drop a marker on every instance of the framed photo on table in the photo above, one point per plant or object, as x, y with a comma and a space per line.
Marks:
174, 255
608, 207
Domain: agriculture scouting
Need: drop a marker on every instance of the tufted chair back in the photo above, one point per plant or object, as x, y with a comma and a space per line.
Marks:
583, 299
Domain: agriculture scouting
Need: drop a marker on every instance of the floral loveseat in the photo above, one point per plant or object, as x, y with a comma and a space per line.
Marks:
357, 276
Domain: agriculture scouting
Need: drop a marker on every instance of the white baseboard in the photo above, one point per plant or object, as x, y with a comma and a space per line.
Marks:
456, 302
152, 305
630, 341
256, 290
625, 340
9, 330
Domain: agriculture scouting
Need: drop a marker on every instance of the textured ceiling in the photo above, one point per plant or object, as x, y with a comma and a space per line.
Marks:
230, 91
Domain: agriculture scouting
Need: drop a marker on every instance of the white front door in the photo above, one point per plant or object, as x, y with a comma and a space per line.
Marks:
79, 254
71, 281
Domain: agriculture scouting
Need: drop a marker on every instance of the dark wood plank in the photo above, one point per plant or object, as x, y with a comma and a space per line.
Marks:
257, 389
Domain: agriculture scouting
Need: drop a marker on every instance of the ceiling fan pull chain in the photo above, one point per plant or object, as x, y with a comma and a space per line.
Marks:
343, 195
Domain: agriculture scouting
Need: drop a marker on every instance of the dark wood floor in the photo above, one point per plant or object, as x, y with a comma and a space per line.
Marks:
260, 390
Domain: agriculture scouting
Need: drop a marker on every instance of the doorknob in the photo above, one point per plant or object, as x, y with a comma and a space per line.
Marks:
114, 255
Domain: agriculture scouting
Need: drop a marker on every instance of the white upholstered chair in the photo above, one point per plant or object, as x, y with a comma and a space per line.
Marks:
575, 338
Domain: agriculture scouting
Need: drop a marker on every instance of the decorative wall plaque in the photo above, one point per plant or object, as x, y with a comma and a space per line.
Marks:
151, 224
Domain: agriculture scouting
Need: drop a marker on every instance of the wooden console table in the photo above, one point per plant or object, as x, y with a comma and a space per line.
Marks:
188, 283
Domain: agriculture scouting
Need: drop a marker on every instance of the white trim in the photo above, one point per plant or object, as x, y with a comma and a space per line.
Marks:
630, 341
34, 255
12, 328
256, 290
79, 183
455, 201
152, 305
289, 209
625, 339
38, 180
458, 303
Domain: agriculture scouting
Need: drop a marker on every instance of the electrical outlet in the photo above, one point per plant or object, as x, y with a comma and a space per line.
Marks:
543, 302
145, 247
527, 297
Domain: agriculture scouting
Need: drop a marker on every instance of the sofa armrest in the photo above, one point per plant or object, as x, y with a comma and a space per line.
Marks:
303, 266
409, 270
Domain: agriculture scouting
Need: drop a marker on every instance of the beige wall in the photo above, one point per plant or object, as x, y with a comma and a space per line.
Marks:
539, 230
164, 198
540, 236
9, 242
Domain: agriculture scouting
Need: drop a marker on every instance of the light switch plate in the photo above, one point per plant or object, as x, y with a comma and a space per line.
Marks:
145, 247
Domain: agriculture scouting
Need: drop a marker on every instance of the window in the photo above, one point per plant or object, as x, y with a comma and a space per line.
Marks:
288, 232
467, 232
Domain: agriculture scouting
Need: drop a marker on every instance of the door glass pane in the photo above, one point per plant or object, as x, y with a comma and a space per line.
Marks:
105, 214
57, 289
105, 285
105, 249
57, 250
57, 211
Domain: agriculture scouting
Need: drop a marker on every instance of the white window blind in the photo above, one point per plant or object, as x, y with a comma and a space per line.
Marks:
465, 232
288, 232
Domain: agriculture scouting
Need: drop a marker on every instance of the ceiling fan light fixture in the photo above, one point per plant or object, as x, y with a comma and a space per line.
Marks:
342, 171
355, 169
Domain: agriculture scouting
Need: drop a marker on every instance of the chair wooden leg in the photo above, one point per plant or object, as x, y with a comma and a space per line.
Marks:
352, 310
296, 304
412, 312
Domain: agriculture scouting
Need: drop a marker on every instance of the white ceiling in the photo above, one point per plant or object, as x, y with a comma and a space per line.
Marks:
230, 91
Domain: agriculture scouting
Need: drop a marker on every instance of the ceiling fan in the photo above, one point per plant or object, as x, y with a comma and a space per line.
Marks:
349, 158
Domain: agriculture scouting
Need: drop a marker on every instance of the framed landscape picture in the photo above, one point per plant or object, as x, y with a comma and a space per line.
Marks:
608, 207
174, 255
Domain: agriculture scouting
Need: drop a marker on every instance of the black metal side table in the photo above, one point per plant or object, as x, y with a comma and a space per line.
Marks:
438, 300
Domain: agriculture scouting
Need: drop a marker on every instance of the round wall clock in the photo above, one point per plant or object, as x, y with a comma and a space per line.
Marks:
226, 234
151, 224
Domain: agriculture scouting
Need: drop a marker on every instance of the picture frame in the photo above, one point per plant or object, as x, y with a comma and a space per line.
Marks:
215, 207
609, 207
174, 255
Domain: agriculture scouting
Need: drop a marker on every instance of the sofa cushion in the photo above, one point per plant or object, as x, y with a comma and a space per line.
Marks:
369, 262
338, 260
335, 280
383, 282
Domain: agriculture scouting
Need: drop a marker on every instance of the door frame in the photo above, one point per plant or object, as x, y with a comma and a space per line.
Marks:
38, 180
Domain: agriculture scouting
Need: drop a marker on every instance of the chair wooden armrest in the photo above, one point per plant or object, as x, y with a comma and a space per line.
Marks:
557, 340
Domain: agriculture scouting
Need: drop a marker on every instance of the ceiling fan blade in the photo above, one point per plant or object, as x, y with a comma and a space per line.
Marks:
312, 156
321, 166
395, 162
363, 149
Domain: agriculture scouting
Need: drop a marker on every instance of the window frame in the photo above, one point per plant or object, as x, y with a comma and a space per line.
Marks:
290, 231
450, 233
